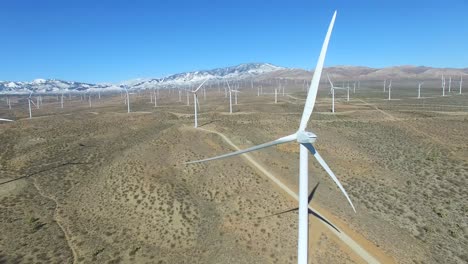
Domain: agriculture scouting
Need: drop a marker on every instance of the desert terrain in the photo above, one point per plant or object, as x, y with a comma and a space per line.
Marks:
99, 185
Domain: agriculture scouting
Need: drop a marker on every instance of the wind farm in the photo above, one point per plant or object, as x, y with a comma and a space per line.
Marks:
213, 165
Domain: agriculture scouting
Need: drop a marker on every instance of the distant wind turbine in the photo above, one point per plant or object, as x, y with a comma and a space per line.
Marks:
419, 89
347, 97
305, 140
332, 90
443, 85
128, 99
196, 104
450, 84
230, 97
29, 103
461, 83
390, 90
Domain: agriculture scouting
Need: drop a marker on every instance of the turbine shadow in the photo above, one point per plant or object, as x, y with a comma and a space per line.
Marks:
44, 170
312, 212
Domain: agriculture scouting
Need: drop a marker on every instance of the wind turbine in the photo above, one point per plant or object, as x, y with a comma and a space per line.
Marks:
390, 91
443, 85
8, 102
195, 101
230, 97
332, 88
89, 99
276, 96
419, 89
128, 99
461, 83
450, 84
305, 140
347, 98
29, 103
235, 96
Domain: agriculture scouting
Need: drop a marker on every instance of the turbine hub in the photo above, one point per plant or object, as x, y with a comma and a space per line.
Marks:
306, 137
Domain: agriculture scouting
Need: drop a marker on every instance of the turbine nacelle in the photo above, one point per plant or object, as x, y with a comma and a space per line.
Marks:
304, 137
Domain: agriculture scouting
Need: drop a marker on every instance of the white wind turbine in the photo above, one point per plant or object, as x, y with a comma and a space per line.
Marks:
305, 140
30, 100
347, 97
390, 90
461, 83
443, 85
333, 88
230, 97
196, 104
450, 84
419, 89
127, 99
89, 99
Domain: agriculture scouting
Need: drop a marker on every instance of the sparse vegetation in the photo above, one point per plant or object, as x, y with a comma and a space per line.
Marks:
124, 196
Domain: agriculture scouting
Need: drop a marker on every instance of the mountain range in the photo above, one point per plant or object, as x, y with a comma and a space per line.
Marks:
256, 71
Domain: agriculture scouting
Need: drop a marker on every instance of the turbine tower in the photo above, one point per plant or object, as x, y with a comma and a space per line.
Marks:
450, 84
127, 99
390, 91
30, 100
443, 85
230, 97
305, 140
347, 98
419, 89
461, 83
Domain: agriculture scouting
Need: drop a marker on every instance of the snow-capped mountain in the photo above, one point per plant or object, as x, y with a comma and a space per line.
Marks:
241, 71
51, 86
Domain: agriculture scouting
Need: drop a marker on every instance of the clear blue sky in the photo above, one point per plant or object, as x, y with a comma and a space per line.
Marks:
111, 41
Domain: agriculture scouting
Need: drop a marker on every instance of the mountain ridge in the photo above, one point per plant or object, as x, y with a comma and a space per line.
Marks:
257, 71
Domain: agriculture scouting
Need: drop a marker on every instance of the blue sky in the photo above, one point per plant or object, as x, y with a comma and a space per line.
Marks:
111, 41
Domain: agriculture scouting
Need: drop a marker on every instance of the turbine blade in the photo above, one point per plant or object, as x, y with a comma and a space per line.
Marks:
331, 83
32, 101
196, 90
329, 171
198, 103
312, 95
261, 146
6, 120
